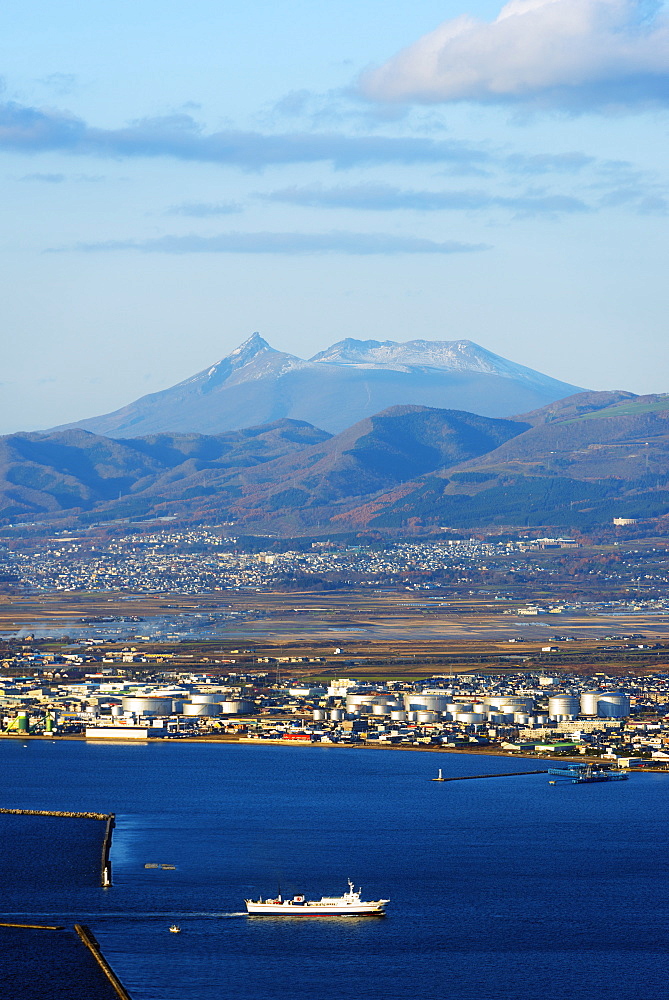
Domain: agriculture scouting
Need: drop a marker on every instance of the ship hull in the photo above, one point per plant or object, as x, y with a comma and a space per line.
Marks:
291, 910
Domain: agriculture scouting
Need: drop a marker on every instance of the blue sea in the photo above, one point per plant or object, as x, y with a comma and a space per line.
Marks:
500, 889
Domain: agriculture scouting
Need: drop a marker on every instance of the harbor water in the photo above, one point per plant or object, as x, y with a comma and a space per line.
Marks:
504, 889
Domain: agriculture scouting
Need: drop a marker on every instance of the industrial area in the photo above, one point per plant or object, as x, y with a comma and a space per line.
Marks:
522, 713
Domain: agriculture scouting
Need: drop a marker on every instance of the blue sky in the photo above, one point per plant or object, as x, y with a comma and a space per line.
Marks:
176, 176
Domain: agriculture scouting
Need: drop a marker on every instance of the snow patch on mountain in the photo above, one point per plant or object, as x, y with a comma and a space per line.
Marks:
445, 355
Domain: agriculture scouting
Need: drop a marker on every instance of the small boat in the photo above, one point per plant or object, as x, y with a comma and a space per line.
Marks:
169, 868
439, 777
175, 929
348, 905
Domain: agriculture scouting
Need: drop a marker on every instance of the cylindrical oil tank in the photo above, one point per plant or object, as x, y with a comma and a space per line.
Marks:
195, 710
117, 711
613, 705
237, 707
379, 709
479, 708
416, 702
589, 701
199, 710
423, 717
521, 719
337, 714
453, 707
177, 706
148, 705
356, 702
23, 722
411, 716
398, 715
320, 715
563, 706
470, 718
206, 699
496, 718
541, 720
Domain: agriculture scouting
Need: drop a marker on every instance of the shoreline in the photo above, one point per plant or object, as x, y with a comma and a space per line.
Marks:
247, 741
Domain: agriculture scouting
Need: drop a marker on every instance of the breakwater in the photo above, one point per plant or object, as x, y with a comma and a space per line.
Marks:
109, 819
34, 927
51, 812
94, 948
475, 777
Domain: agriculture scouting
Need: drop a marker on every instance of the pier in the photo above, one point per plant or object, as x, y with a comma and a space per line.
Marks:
475, 777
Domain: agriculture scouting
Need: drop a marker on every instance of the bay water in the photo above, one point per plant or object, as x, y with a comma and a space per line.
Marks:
505, 888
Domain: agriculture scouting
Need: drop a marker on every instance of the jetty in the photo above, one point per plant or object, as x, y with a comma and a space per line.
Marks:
90, 942
475, 777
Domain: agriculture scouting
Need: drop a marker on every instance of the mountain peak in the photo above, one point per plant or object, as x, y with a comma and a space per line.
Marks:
450, 355
254, 345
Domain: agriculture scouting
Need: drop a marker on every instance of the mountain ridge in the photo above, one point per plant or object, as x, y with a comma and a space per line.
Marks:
256, 384
570, 464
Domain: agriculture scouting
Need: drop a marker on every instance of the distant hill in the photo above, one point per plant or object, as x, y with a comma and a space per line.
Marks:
65, 470
574, 463
353, 379
581, 462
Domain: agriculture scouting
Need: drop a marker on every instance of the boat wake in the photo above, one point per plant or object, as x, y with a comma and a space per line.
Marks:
131, 915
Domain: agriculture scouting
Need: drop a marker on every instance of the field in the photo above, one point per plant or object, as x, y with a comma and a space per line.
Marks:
379, 634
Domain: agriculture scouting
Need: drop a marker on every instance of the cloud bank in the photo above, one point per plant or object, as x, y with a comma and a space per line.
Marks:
287, 243
383, 198
26, 129
574, 54
204, 210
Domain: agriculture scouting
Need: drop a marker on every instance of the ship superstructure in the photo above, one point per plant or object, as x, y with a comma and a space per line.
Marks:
348, 905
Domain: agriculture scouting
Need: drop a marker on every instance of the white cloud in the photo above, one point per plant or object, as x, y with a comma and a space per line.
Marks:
578, 54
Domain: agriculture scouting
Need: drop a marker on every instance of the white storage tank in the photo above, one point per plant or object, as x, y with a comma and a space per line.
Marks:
147, 705
453, 707
589, 701
613, 705
563, 706
379, 709
470, 718
200, 710
117, 711
361, 701
320, 715
206, 699
337, 714
416, 702
398, 715
521, 719
237, 707
423, 717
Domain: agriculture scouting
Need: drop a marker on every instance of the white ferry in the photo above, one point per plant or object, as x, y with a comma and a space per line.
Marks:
348, 905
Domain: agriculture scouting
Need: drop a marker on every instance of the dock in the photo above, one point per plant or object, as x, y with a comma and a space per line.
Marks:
586, 774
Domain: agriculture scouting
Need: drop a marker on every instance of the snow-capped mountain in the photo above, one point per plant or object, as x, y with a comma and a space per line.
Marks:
447, 355
351, 380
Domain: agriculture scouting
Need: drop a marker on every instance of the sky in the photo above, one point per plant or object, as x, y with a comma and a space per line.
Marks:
176, 176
